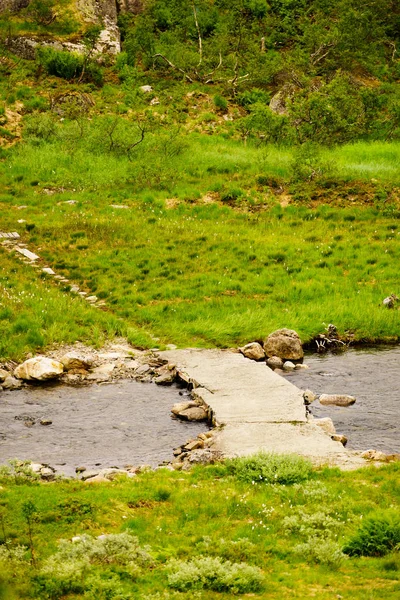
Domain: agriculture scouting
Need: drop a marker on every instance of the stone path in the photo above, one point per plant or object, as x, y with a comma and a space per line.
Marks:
257, 409
11, 243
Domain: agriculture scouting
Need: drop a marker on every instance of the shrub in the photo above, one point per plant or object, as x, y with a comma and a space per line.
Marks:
220, 103
265, 467
322, 551
60, 63
216, 574
317, 523
377, 536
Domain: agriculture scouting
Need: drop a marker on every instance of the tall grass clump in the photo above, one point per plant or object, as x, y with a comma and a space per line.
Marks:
265, 467
205, 572
377, 536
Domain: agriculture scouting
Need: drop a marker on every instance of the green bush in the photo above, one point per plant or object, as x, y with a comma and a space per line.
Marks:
377, 536
265, 467
220, 103
321, 551
60, 63
216, 574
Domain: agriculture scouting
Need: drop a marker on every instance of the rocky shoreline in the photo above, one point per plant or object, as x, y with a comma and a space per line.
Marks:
79, 365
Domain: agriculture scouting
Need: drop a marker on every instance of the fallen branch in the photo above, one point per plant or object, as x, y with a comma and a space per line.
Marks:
170, 64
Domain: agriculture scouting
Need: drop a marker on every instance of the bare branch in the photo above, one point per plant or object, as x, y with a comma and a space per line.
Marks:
198, 34
169, 63
321, 53
142, 130
209, 75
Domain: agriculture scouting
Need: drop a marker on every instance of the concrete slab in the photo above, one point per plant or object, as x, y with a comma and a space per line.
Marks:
238, 389
256, 408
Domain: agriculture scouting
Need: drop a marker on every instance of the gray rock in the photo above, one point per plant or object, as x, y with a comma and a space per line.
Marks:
337, 437
309, 397
275, 362
10, 383
102, 373
143, 370
284, 343
181, 406
390, 301
288, 366
199, 457
39, 368
73, 360
254, 351
196, 413
88, 474
166, 376
336, 400
374, 455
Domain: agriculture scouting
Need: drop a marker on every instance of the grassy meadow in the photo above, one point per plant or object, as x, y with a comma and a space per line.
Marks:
288, 536
197, 240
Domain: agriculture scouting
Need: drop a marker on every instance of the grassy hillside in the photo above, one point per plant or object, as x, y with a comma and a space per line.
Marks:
235, 219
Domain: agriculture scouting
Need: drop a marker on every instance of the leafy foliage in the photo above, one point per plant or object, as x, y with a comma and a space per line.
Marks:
377, 536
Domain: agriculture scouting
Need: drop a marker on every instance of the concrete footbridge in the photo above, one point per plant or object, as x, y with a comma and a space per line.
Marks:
255, 409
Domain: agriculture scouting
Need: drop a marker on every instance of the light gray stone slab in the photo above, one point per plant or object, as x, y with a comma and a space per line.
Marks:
27, 253
241, 390
256, 408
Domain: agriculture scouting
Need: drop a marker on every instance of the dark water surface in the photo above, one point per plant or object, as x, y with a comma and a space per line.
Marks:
373, 377
97, 425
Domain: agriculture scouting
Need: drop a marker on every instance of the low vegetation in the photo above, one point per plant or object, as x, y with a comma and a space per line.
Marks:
203, 534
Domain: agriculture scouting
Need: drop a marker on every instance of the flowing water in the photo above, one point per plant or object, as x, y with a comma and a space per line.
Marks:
92, 426
373, 377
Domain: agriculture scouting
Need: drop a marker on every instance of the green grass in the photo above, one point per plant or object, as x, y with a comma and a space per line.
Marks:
210, 516
204, 255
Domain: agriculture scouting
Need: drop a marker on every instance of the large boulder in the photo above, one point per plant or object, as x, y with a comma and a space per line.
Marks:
39, 368
284, 343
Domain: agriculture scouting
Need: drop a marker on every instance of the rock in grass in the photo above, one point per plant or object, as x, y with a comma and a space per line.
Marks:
284, 343
3, 375
39, 368
374, 455
336, 400
254, 351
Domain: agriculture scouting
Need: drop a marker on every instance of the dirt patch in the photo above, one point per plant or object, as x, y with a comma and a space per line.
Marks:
11, 133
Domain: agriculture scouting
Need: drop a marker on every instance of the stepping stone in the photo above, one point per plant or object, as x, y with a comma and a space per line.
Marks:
48, 270
13, 235
27, 253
